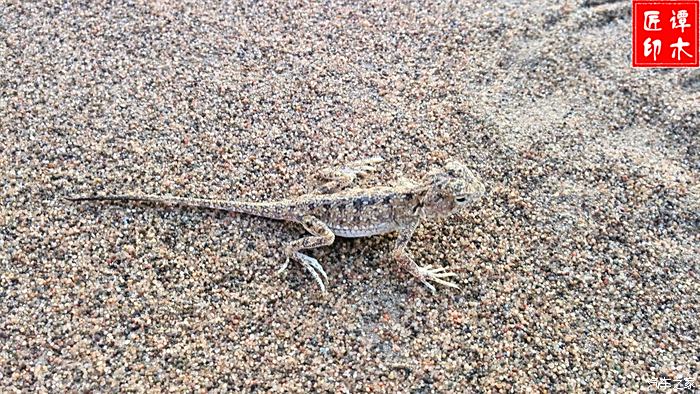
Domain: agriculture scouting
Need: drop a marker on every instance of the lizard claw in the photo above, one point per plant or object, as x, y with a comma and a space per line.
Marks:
436, 275
283, 267
312, 265
362, 168
315, 264
335, 179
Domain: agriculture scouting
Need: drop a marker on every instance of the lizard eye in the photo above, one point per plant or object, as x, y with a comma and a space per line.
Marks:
461, 199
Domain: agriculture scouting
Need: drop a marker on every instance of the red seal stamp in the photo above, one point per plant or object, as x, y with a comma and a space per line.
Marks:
665, 33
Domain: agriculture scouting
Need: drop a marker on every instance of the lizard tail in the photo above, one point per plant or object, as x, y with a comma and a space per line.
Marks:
266, 210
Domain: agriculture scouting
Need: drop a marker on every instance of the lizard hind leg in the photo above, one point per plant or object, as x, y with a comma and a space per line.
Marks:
335, 179
321, 236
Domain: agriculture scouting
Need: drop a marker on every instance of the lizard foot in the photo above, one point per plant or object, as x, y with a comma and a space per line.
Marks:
436, 275
321, 236
335, 179
362, 167
312, 265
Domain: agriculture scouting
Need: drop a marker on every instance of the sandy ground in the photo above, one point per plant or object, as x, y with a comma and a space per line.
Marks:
579, 269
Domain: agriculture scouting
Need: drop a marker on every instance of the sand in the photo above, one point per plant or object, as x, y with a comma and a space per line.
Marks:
578, 270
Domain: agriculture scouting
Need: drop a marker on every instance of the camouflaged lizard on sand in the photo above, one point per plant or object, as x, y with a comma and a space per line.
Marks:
336, 210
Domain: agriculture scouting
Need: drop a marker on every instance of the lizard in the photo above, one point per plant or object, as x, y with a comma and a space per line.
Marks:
337, 210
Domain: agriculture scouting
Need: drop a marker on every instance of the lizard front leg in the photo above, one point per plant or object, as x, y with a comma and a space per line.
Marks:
405, 259
321, 236
336, 179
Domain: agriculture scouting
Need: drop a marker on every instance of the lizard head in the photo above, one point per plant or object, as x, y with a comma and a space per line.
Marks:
449, 189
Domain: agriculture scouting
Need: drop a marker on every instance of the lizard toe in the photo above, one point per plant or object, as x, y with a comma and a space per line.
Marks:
436, 275
283, 267
312, 265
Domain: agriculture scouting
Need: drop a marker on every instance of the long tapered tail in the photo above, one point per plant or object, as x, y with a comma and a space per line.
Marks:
273, 210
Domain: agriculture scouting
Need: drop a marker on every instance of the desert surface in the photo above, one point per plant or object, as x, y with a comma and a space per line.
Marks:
578, 269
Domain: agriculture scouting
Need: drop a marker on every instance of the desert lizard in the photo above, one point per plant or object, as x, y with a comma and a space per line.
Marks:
336, 210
